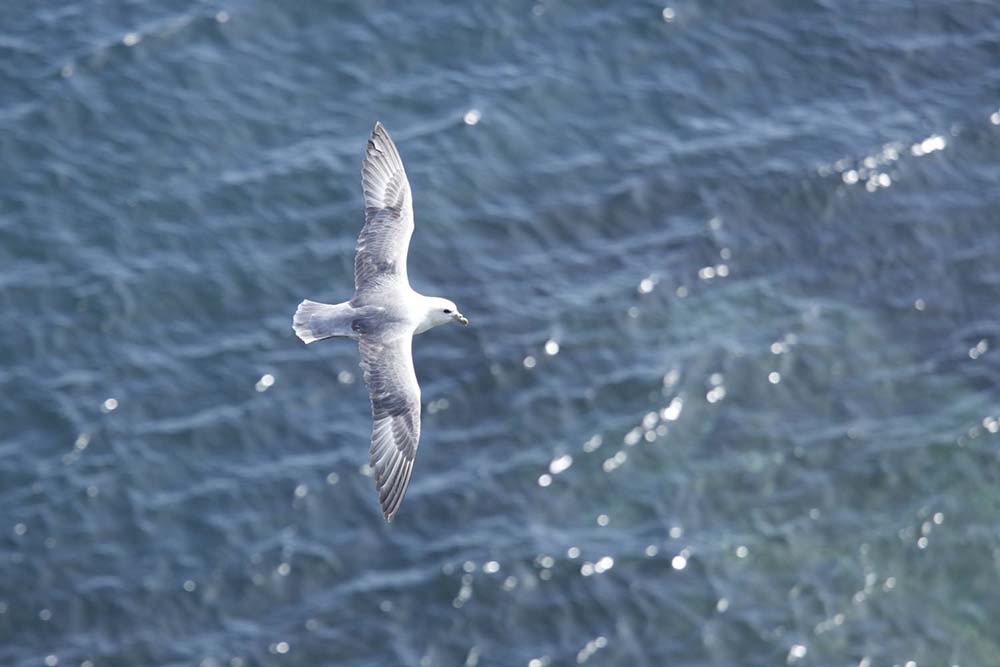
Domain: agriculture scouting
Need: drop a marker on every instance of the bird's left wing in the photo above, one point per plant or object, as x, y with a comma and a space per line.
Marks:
395, 395
385, 238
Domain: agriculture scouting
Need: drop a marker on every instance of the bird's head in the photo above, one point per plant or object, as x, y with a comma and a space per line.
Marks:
442, 311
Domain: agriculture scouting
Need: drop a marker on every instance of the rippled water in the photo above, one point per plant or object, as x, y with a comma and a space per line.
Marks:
729, 397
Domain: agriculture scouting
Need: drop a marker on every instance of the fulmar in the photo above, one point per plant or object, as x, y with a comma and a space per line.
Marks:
383, 316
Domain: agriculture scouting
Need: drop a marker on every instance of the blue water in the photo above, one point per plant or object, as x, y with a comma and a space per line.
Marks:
729, 396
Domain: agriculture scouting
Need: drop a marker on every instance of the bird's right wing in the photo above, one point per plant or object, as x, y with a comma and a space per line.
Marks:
395, 395
385, 238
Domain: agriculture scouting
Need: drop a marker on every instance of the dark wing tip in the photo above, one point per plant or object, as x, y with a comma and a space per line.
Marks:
393, 485
382, 160
379, 132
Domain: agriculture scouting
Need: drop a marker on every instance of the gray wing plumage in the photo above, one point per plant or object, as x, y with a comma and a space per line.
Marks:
385, 238
395, 395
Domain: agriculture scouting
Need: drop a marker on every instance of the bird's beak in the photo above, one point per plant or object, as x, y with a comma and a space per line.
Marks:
462, 319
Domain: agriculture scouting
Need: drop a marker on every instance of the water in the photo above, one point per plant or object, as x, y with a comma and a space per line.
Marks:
735, 269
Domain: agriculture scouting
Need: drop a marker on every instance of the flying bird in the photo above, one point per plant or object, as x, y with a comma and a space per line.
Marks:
384, 315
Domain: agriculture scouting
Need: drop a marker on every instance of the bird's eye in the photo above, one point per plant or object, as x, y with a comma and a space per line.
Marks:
447, 312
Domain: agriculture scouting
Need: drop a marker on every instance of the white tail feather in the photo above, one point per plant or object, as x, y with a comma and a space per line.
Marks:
315, 321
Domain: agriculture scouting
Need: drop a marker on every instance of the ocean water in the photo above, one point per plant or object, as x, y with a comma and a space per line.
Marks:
729, 395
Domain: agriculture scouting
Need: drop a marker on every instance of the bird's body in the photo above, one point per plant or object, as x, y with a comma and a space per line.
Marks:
378, 317
383, 316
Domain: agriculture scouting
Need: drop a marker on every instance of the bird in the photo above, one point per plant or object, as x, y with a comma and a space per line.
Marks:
383, 316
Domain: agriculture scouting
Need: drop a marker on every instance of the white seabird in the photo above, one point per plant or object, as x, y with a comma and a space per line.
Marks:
383, 316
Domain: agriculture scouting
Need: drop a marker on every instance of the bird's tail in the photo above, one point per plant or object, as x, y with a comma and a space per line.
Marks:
315, 321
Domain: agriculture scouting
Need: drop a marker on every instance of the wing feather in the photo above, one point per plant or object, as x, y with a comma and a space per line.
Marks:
380, 255
395, 396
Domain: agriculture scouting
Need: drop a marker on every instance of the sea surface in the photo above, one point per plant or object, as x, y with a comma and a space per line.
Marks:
730, 391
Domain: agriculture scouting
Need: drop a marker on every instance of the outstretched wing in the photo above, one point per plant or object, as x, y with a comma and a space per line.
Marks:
395, 394
382, 245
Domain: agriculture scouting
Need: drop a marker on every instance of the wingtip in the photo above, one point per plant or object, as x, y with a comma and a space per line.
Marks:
377, 142
388, 511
